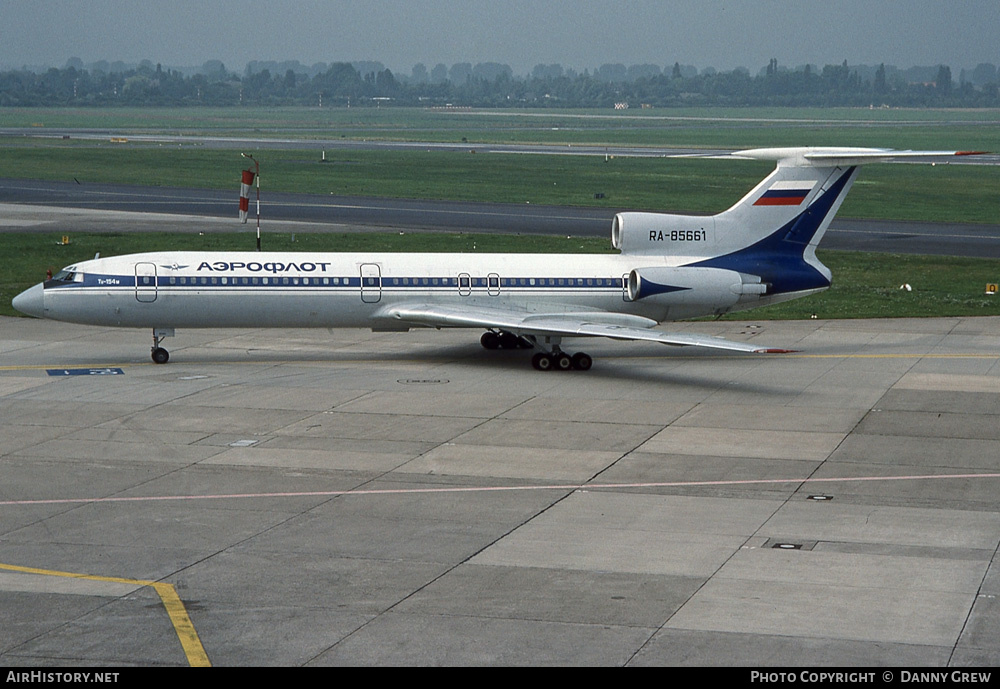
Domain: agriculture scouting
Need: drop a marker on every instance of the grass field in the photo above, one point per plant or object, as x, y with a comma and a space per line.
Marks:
697, 127
956, 193
953, 193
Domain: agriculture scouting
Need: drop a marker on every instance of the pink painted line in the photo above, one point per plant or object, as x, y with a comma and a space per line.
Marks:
488, 489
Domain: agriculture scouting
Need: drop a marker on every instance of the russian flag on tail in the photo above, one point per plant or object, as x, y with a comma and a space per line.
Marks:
248, 176
790, 193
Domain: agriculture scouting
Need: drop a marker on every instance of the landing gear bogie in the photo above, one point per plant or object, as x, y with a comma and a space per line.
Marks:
560, 361
490, 340
504, 339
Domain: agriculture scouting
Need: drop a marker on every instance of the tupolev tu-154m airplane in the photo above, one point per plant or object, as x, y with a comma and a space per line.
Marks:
761, 251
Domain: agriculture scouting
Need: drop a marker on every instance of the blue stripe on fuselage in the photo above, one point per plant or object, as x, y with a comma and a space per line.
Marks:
98, 280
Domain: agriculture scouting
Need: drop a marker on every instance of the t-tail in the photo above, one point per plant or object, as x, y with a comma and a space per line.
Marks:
771, 234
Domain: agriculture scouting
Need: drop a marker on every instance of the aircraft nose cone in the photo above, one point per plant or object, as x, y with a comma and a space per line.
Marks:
31, 301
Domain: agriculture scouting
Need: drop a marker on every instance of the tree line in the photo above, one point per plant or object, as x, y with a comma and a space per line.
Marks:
494, 85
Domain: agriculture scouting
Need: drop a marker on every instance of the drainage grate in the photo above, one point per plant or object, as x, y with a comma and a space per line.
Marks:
789, 544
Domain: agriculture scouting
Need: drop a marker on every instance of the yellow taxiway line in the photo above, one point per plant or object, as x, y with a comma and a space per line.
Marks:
183, 626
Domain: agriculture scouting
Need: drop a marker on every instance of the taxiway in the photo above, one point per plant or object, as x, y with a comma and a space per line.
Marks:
351, 498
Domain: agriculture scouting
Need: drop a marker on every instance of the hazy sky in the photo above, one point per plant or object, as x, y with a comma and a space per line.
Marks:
582, 34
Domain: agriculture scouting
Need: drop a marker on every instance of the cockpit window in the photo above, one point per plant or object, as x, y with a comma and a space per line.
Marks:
68, 275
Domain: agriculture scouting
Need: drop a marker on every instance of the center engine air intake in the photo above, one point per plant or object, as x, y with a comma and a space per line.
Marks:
662, 233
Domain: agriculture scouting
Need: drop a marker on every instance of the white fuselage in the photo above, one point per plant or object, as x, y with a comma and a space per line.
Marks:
233, 290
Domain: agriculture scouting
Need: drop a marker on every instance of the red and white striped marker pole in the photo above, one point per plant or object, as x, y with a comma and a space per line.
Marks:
247, 180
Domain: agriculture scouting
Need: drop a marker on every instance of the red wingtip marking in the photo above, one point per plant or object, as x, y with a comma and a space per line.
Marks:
971, 153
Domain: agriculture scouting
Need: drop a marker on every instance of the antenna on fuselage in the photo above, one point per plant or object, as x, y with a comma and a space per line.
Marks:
247, 181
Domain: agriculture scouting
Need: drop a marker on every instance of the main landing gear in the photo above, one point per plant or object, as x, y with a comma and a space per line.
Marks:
561, 361
551, 358
504, 340
158, 353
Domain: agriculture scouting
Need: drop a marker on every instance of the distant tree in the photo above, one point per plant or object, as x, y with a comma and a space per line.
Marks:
419, 74
213, 69
943, 81
340, 80
439, 74
612, 73
493, 85
386, 84
368, 67
647, 71
553, 71
984, 73
491, 71
460, 73
879, 85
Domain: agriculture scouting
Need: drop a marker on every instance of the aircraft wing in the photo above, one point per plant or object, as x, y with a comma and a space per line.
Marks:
569, 324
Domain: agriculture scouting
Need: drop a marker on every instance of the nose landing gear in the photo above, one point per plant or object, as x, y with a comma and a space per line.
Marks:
158, 353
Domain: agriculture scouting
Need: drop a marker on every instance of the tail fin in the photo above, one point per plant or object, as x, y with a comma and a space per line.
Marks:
772, 232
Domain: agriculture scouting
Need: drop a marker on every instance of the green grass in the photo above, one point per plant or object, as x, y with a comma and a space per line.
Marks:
867, 285
699, 127
952, 193
864, 285
955, 193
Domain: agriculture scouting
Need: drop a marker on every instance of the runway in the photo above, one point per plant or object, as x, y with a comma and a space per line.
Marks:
352, 498
138, 209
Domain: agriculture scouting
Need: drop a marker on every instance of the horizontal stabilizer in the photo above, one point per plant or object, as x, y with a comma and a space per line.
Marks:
822, 156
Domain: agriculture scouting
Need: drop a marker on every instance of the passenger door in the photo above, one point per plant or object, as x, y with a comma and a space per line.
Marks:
371, 283
145, 282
